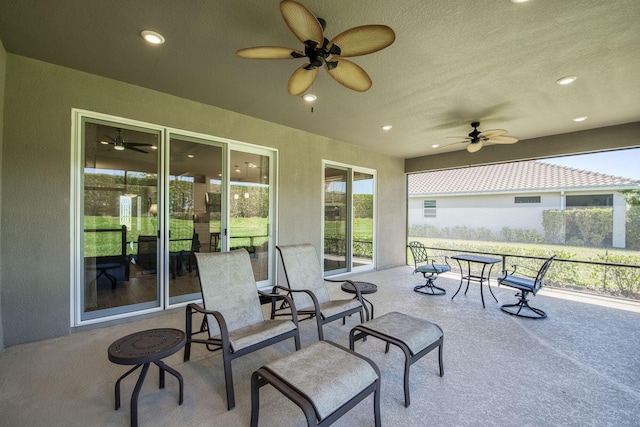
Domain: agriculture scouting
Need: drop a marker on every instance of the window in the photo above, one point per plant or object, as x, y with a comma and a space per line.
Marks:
429, 208
527, 199
588, 201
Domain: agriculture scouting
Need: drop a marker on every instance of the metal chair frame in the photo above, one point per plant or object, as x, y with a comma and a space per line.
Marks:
525, 285
429, 269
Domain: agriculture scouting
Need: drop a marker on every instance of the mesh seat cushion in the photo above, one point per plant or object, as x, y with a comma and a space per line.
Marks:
331, 308
416, 333
433, 268
327, 375
228, 286
518, 282
259, 332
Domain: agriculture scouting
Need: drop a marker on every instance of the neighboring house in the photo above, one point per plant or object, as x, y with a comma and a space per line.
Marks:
512, 195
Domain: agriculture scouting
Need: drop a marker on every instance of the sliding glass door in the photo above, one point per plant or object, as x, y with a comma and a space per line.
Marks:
147, 199
348, 219
195, 211
250, 198
120, 190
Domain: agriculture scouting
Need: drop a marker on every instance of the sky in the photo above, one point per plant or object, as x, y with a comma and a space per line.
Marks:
623, 163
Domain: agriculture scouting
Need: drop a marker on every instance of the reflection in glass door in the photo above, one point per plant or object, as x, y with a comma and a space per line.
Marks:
348, 219
120, 183
194, 205
249, 210
362, 246
336, 212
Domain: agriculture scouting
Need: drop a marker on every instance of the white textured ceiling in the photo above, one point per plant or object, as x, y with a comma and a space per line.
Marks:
453, 62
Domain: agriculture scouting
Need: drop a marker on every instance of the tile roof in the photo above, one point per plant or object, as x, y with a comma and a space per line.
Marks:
525, 176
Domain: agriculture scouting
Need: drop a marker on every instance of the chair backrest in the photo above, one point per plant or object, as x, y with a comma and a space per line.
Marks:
543, 270
419, 252
302, 271
228, 286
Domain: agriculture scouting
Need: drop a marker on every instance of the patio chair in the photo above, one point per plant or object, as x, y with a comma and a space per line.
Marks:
306, 285
429, 269
528, 284
233, 321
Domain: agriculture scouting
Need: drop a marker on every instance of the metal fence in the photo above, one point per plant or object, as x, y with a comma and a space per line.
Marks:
603, 278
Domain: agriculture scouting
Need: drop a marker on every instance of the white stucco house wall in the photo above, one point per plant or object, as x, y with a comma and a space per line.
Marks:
512, 195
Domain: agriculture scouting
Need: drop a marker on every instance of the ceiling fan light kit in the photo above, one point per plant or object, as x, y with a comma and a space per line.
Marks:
476, 138
322, 52
119, 144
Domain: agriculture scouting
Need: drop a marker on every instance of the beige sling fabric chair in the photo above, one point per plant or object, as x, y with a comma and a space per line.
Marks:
308, 288
234, 322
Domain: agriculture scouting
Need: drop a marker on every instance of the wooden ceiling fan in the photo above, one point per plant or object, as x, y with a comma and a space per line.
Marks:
320, 51
476, 138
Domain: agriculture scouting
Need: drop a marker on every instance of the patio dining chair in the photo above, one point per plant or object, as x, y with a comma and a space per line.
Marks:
429, 269
306, 285
525, 283
233, 319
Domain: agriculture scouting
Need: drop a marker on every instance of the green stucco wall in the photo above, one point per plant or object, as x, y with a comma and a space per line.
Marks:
36, 173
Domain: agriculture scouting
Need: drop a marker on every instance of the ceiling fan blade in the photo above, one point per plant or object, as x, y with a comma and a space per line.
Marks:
475, 146
452, 143
301, 80
493, 132
503, 139
302, 23
136, 149
269, 52
136, 144
113, 140
461, 137
350, 75
363, 40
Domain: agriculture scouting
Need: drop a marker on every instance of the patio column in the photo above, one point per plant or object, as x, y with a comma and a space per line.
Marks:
619, 220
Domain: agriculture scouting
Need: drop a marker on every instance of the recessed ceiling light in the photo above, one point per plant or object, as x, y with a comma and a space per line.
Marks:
153, 147
118, 147
386, 127
519, 1
435, 146
152, 37
191, 156
309, 97
566, 80
580, 119
104, 142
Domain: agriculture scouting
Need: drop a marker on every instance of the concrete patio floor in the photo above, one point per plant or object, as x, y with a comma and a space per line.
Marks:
578, 367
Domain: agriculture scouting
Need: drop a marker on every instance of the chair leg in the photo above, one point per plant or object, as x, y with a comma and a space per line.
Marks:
228, 380
523, 303
429, 288
188, 327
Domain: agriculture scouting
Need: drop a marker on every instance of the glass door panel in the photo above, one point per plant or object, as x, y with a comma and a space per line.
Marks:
120, 184
195, 194
336, 213
249, 210
362, 248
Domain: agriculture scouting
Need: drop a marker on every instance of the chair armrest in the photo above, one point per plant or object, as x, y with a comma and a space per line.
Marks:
316, 304
287, 298
222, 324
358, 293
522, 267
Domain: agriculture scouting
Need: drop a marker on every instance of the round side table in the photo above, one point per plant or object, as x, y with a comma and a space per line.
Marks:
141, 349
365, 288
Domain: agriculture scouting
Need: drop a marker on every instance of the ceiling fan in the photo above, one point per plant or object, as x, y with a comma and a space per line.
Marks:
320, 51
476, 139
119, 143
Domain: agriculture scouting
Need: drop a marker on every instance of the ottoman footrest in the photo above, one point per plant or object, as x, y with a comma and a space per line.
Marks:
325, 380
416, 337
